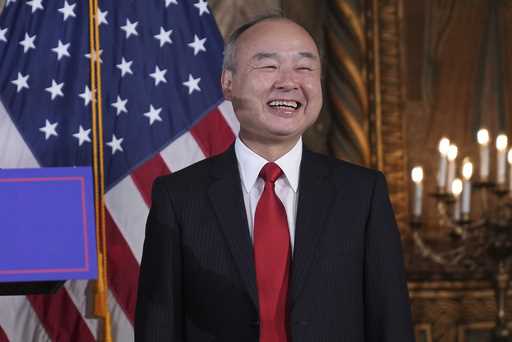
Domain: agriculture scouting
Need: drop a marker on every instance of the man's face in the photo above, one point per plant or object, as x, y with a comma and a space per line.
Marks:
275, 88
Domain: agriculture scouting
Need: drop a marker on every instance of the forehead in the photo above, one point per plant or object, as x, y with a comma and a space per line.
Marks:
275, 36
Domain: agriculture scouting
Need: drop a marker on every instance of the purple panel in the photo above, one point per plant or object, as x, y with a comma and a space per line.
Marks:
47, 229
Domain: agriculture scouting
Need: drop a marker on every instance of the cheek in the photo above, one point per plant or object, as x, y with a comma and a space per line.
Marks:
255, 81
313, 90
261, 84
248, 94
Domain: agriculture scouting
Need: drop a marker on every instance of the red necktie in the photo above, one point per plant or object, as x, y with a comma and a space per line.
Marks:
272, 258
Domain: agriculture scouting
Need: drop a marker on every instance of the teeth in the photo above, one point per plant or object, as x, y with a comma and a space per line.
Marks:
289, 104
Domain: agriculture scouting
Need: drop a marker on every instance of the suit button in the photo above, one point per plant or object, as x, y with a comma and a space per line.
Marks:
255, 323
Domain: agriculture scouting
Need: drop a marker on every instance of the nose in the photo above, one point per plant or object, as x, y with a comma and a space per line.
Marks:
286, 80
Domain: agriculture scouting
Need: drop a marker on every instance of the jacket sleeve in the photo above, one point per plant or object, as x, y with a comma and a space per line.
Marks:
387, 307
159, 311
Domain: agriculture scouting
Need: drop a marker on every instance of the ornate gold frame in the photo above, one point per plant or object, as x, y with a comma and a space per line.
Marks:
387, 120
364, 88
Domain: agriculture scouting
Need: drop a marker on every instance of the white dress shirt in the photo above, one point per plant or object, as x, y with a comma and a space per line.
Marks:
286, 187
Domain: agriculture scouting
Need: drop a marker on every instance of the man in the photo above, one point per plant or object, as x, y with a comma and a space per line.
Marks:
268, 241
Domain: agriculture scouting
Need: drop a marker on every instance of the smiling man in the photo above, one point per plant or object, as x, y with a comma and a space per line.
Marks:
272, 75
268, 241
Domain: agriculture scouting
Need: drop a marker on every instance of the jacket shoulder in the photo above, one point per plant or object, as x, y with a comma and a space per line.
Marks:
191, 178
346, 171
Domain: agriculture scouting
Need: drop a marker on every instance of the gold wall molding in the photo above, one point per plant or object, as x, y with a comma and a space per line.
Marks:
346, 85
364, 91
387, 120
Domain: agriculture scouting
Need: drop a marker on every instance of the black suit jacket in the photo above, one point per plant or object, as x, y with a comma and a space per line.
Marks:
197, 278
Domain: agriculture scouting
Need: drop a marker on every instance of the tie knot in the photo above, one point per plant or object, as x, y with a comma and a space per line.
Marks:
270, 172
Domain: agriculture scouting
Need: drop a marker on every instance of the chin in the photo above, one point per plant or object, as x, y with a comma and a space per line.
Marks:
285, 126
285, 135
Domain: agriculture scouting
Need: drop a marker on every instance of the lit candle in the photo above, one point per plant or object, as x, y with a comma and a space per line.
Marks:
456, 191
510, 172
452, 155
444, 144
417, 178
467, 172
483, 140
501, 146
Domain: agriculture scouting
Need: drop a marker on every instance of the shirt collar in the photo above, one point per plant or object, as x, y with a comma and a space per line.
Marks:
250, 164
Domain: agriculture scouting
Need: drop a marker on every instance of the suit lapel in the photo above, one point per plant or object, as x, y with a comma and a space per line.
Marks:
226, 196
316, 196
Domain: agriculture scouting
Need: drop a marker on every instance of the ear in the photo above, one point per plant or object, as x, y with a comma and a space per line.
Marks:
226, 81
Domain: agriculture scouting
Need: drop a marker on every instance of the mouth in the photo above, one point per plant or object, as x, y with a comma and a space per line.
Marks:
284, 104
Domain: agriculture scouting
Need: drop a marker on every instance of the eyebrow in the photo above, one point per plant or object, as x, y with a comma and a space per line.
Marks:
263, 55
272, 55
308, 55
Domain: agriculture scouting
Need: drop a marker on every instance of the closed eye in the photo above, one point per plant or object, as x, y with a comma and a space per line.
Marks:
268, 67
305, 69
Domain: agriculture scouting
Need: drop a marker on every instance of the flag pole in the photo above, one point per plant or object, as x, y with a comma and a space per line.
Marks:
101, 290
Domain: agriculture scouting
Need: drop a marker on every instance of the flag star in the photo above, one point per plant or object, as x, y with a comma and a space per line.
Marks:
153, 114
159, 75
202, 5
21, 82
55, 89
168, 2
125, 67
101, 17
35, 4
2, 34
68, 10
95, 56
86, 95
28, 42
197, 44
120, 105
115, 144
61, 50
192, 84
164, 36
49, 129
130, 28
82, 135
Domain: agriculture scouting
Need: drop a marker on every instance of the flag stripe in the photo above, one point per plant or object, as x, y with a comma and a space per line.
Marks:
183, 152
129, 212
122, 329
145, 174
3, 336
212, 133
14, 152
226, 108
79, 291
19, 321
60, 317
123, 269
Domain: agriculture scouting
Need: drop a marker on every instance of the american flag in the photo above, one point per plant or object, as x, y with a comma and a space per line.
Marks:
163, 110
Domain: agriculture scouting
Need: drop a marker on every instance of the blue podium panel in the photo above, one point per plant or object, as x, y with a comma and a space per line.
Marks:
47, 229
